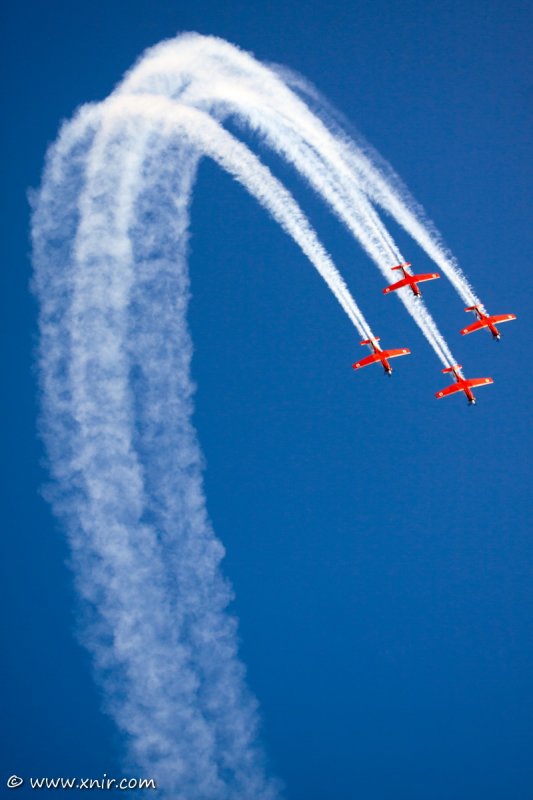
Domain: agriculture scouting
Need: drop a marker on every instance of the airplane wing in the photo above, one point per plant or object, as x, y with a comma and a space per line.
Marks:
394, 286
396, 353
473, 382
366, 361
455, 387
428, 276
475, 326
502, 318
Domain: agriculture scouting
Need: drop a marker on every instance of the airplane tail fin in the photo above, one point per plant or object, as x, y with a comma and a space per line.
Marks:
369, 341
401, 266
453, 368
472, 308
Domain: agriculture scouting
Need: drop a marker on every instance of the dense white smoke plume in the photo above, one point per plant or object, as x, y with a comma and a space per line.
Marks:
110, 241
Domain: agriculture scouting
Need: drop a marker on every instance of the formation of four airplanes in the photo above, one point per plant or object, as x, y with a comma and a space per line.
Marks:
484, 320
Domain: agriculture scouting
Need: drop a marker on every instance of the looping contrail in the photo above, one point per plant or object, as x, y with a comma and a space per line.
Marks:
110, 237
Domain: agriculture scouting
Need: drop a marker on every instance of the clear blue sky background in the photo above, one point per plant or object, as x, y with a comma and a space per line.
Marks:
379, 541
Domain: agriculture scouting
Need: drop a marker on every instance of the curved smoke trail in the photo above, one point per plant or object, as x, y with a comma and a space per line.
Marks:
117, 422
110, 231
211, 74
110, 243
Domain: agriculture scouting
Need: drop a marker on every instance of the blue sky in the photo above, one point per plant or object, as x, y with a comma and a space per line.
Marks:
378, 540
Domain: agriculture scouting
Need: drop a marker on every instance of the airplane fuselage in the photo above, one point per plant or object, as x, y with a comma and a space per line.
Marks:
379, 352
414, 288
412, 283
469, 395
489, 323
494, 330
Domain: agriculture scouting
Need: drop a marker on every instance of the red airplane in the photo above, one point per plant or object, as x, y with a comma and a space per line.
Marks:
486, 321
379, 355
462, 384
410, 280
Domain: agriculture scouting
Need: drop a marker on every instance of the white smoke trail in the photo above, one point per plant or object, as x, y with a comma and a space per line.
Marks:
117, 409
213, 141
211, 74
384, 186
110, 237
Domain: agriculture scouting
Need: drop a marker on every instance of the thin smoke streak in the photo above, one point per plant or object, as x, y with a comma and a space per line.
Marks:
212, 74
383, 186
